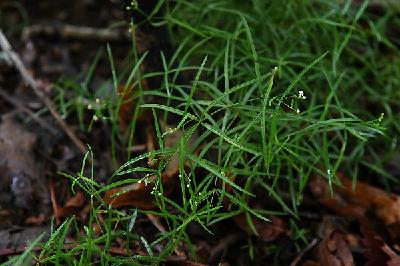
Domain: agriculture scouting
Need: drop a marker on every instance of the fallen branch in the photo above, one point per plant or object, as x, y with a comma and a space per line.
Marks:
76, 32
28, 79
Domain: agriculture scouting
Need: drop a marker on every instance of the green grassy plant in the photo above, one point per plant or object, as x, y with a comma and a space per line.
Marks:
277, 91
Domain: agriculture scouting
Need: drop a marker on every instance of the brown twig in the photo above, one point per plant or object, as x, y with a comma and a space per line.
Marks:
155, 220
5, 252
28, 79
54, 201
303, 252
20, 105
76, 32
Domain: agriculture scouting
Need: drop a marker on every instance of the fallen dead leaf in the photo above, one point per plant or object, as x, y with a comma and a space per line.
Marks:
36, 220
73, 205
334, 250
377, 251
139, 194
356, 203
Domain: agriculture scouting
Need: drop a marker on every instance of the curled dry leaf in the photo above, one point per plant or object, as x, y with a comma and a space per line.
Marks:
334, 250
377, 251
356, 203
73, 205
139, 194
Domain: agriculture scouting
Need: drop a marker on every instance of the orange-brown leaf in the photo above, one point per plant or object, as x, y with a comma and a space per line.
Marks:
377, 251
334, 250
139, 194
356, 203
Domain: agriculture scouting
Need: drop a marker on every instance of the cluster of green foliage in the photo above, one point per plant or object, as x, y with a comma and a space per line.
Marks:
280, 90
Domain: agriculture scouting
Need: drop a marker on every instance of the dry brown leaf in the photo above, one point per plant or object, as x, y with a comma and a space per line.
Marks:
36, 220
77, 201
377, 251
356, 203
334, 250
139, 194
73, 205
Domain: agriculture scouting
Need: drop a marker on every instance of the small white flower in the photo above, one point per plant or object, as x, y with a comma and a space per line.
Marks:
95, 118
298, 111
301, 95
97, 100
329, 172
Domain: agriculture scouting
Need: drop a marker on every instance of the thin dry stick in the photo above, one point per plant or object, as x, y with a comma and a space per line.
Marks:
76, 32
53, 199
28, 79
20, 106
5, 252
303, 252
155, 220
